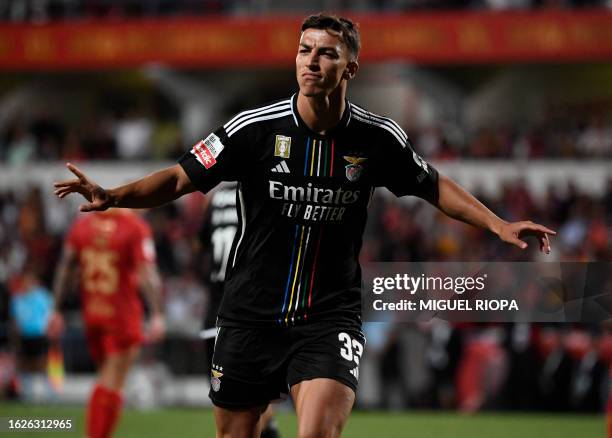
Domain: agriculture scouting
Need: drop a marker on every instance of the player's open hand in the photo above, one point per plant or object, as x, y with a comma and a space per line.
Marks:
157, 328
98, 197
514, 233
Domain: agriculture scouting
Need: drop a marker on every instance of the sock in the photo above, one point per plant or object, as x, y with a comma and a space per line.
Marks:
103, 412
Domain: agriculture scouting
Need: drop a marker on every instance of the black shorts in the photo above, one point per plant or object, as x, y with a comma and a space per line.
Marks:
215, 293
33, 347
253, 366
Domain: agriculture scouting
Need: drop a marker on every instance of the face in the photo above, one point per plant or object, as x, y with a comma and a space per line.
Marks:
322, 63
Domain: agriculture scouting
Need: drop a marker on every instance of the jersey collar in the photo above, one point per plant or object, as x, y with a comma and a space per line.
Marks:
344, 120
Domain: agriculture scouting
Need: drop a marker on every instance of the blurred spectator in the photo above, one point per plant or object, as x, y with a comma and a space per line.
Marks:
133, 135
596, 139
20, 145
31, 305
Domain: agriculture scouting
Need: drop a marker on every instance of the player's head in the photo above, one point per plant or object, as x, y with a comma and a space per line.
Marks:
327, 54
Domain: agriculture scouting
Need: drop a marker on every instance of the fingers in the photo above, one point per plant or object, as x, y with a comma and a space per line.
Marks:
518, 242
80, 185
66, 183
76, 171
97, 205
86, 207
545, 244
66, 187
92, 206
528, 228
528, 225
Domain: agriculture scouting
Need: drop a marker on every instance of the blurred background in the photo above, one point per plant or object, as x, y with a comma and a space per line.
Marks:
512, 98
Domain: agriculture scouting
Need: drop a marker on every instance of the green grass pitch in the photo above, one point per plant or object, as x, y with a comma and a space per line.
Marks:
188, 423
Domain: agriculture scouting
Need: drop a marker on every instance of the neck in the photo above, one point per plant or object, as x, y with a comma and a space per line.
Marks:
322, 113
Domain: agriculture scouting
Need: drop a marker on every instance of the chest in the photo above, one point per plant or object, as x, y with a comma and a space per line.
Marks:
310, 179
341, 161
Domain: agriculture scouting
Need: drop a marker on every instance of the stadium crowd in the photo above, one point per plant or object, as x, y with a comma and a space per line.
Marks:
467, 366
136, 135
46, 10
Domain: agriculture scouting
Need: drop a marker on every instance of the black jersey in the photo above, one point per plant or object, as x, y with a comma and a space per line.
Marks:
302, 206
219, 228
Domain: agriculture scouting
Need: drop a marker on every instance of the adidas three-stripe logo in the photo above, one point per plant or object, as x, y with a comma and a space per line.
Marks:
274, 111
382, 122
281, 167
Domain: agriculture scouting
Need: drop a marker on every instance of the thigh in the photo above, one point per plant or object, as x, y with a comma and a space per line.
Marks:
116, 343
248, 368
322, 406
116, 366
238, 423
95, 345
104, 343
326, 350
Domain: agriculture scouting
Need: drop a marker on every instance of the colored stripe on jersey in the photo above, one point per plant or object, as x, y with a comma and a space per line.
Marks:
304, 209
322, 154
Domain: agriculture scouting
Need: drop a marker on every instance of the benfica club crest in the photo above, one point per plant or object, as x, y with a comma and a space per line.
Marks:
215, 381
354, 169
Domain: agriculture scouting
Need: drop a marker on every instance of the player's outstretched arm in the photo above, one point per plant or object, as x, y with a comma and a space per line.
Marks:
151, 286
459, 204
152, 190
64, 271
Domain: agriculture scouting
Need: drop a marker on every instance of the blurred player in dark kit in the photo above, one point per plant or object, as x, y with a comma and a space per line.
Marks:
114, 256
216, 236
306, 167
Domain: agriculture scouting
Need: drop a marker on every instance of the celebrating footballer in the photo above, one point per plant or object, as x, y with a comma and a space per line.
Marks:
306, 166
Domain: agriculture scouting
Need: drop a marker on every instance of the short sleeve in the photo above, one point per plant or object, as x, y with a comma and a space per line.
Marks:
215, 159
404, 172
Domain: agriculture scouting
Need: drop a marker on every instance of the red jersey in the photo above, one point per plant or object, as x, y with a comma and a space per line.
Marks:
110, 246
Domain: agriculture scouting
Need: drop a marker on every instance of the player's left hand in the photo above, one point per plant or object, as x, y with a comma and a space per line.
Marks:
514, 233
157, 328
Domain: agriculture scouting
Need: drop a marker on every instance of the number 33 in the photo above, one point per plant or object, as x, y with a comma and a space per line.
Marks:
352, 348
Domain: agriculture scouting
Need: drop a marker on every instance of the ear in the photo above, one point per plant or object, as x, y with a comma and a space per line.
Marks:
351, 70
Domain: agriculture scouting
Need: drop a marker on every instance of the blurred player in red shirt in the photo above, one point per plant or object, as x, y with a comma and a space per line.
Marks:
115, 257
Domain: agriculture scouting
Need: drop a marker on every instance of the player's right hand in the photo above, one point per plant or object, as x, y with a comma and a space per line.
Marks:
98, 198
55, 326
157, 329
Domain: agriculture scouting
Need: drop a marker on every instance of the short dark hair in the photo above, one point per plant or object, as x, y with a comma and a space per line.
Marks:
349, 32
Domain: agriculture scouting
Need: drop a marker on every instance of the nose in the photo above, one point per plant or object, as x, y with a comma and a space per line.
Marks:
313, 60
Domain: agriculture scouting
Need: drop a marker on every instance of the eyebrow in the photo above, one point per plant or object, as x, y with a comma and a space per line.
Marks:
309, 47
